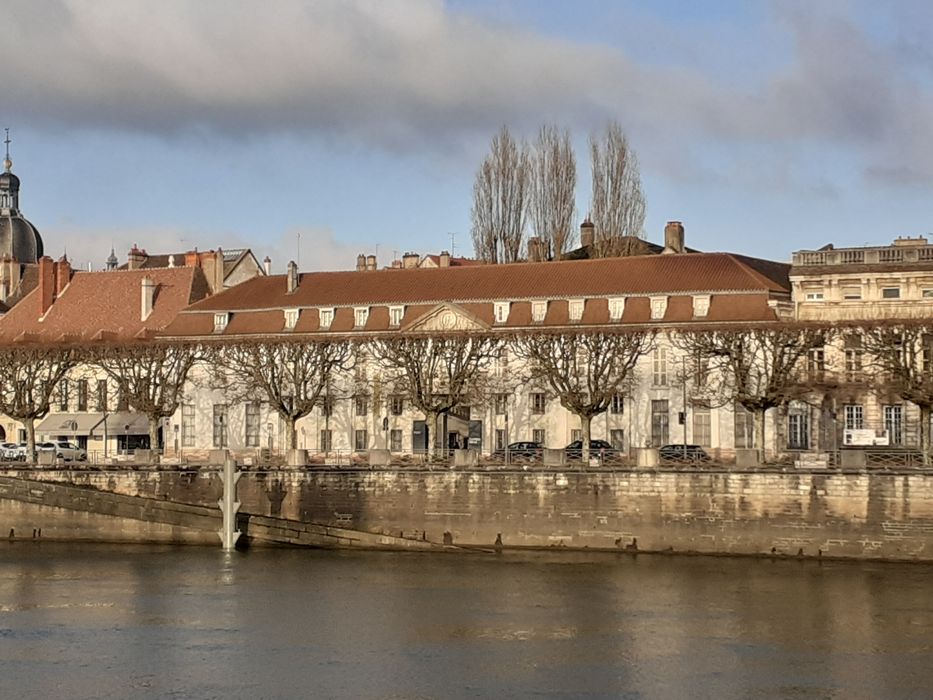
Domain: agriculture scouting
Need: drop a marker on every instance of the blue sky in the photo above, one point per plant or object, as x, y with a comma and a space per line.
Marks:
765, 127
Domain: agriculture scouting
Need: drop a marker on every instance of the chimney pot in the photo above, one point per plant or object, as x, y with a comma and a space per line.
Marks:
587, 233
371, 262
267, 265
410, 260
444, 259
360, 263
292, 277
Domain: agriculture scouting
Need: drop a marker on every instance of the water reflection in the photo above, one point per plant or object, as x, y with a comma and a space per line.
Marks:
115, 622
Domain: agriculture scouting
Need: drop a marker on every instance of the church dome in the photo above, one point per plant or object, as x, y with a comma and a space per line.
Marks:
19, 239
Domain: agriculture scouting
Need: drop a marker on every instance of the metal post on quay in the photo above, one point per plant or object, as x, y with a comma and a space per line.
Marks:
229, 506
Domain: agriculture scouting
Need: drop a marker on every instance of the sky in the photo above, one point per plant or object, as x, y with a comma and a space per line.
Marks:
316, 130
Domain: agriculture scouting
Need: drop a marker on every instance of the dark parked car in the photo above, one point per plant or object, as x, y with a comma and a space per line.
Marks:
598, 448
690, 454
526, 450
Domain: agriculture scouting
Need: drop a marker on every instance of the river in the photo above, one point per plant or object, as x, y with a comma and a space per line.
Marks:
99, 621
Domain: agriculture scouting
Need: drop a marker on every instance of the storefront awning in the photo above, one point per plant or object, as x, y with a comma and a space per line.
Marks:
126, 423
69, 424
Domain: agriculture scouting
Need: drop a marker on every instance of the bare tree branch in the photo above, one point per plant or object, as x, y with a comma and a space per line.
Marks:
618, 202
553, 181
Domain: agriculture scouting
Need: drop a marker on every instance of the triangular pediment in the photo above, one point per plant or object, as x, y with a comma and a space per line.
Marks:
446, 318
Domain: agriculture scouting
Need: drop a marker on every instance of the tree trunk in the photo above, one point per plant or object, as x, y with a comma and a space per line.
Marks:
30, 425
154, 432
291, 434
585, 425
430, 421
760, 433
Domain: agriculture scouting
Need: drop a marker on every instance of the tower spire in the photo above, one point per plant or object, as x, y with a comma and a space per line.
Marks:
7, 163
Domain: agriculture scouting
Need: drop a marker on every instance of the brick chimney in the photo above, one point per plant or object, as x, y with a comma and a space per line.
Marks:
191, 258
212, 263
62, 275
534, 249
371, 263
148, 288
673, 237
46, 283
360, 263
587, 233
443, 260
410, 260
135, 258
291, 277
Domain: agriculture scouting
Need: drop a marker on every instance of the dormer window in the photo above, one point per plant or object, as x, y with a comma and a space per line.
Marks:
325, 318
360, 316
616, 308
575, 309
220, 321
291, 318
701, 305
538, 311
501, 311
395, 315
658, 308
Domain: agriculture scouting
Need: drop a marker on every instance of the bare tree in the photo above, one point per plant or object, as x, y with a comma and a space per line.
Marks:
553, 181
759, 368
293, 376
151, 375
586, 369
618, 202
437, 373
31, 373
901, 355
500, 195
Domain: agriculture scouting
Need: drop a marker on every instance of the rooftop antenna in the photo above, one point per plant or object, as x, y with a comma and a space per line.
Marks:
453, 245
298, 256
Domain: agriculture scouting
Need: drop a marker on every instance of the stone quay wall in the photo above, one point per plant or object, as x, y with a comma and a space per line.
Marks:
813, 513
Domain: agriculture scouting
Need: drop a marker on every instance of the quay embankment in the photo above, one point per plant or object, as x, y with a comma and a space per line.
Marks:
858, 514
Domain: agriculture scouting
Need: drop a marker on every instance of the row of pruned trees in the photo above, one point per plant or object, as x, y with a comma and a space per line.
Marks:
521, 185
759, 368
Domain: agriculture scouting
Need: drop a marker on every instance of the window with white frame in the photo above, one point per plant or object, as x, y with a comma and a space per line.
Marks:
854, 416
187, 425
291, 318
702, 424
501, 404
221, 320
326, 441
252, 424
894, 423
395, 315
396, 404
701, 307
538, 402
815, 295
798, 426
616, 308
325, 317
360, 316
395, 440
362, 404
501, 311
659, 366
500, 439
660, 422
744, 427
360, 440
658, 307
617, 439
538, 311
617, 405
851, 293
575, 309
220, 425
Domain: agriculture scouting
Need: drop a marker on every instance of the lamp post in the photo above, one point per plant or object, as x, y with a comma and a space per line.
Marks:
126, 438
176, 439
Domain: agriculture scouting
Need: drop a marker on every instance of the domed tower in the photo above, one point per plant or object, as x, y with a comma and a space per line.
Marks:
19, 239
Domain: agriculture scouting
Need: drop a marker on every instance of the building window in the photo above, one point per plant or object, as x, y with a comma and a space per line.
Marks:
617, 405
658, 308
500, 439
325, 318
123, 399
660, 423
538, 435
291, 318
501, 310
82, 394
616, 309
814, 296
575, 309
220, 425
617, 439
220, 321
853, 358
538, 403
395, 315
890, 292
659, 367
927, 293
502, 363
851, 293
744, 427
816, 364
396, 405
326, 441
395, 440
102, 395
362, 405
360, 316
327, 406
576, 434
702, 425
360, 440
798, 426
252, 424
894, 424
927, 355
538, 311
187, 425
63, 395
701, 305
501, 404
854, 416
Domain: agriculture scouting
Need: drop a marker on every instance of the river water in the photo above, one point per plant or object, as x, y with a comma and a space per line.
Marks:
96, 621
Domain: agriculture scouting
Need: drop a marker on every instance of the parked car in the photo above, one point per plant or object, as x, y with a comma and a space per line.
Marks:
12, 451
598, 448
524, 450
67, 451
689, 454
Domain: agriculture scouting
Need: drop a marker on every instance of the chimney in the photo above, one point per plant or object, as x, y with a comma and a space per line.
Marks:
587, 233
291, 277
443, 259
46, 283
135, 258
534, 249
191, 259
673, 237
396, 264
410, 260
148, 297
360, 263
267, 265
62, 275
371, 263
171, 261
